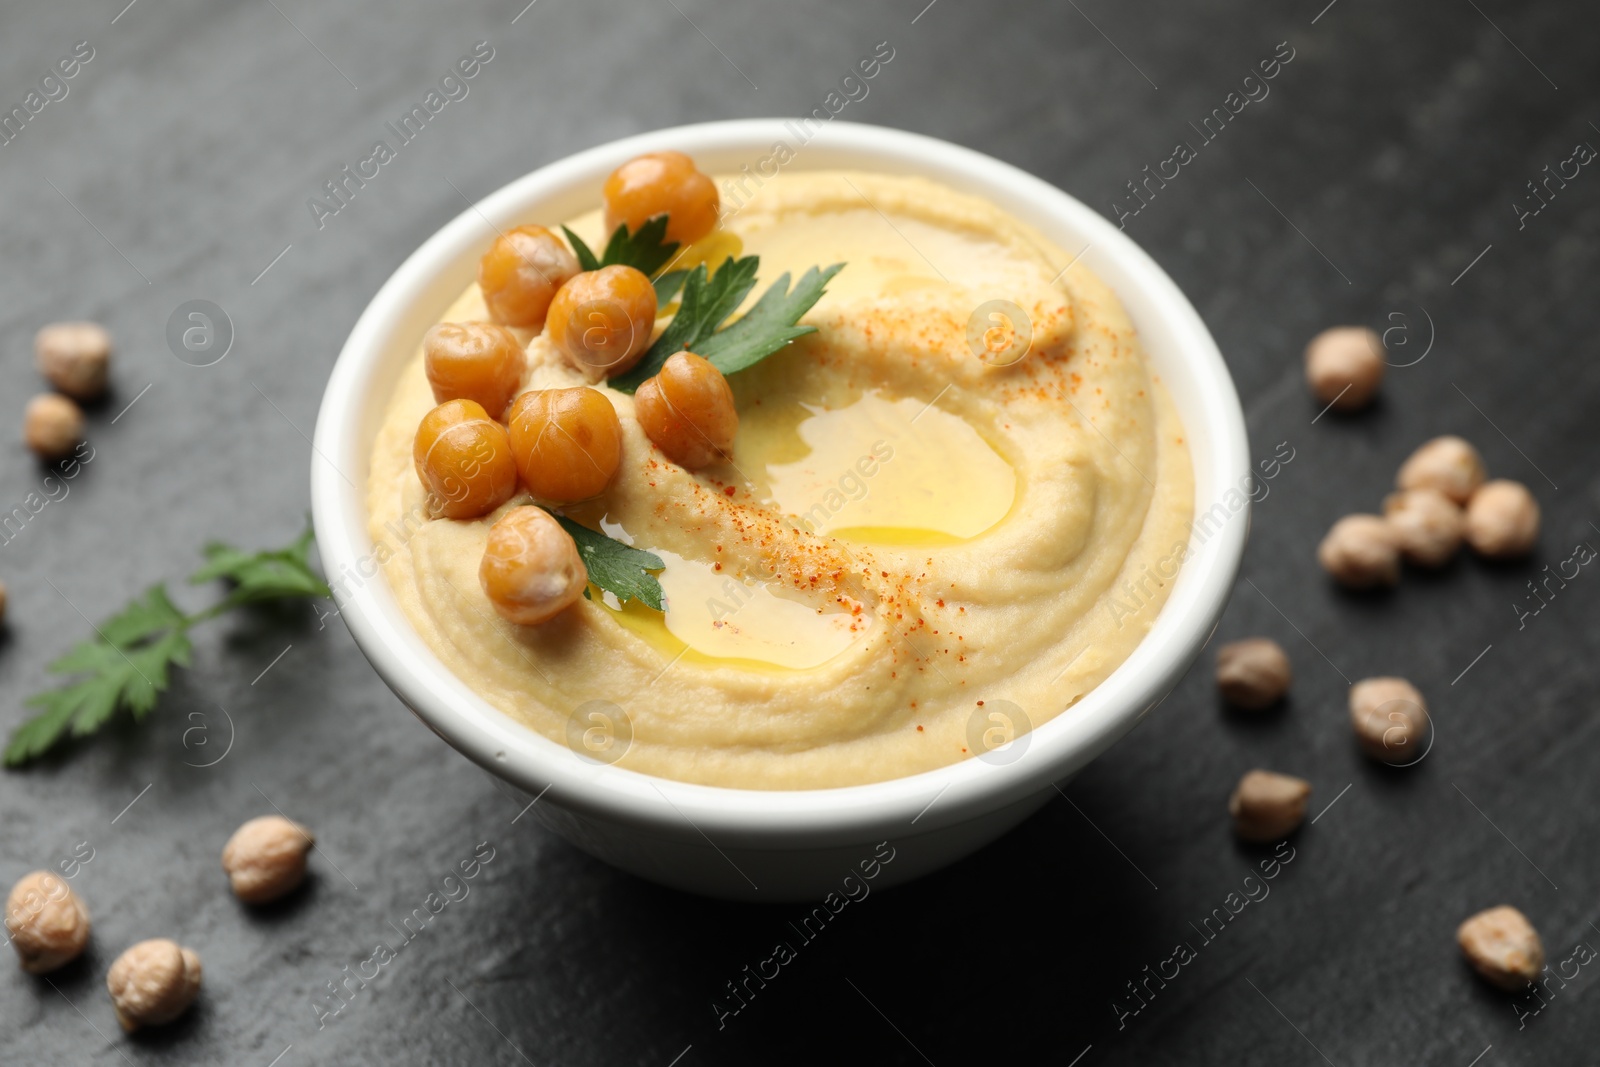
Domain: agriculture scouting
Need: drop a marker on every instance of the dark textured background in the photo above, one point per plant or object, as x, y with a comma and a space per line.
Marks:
1397, 141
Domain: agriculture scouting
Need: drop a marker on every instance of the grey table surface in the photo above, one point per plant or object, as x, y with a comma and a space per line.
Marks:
1378, 183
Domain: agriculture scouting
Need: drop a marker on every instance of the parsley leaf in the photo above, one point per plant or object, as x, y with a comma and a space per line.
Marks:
126, 665
706, 302
768, 326
580, 248
143, 618
282, 574
646, 248
615, 567
667, 287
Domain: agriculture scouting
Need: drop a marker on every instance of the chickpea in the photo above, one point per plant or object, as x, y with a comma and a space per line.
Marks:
662, 183
1390, 719
1253, 673
1345, 367
567, 443
265, 859
521, 273
531, 569
601, 321
1502, 520
2, 603
473, 361
1267, 807
153, 983
1448, 464
1361, 552
52, 426
464, 460
75, 357
48, 922
687, 410
1428, 524
1502, 946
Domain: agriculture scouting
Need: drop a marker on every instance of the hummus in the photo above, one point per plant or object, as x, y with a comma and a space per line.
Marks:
915, 554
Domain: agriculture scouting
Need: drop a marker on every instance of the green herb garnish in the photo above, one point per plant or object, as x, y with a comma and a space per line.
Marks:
705, 304
615, 567
646, 249
283, 574
126, 664
768, 326
667, 286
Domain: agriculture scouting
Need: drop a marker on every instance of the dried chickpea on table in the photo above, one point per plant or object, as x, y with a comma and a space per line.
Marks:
155, 981
75, 358
48, 922
1442, 499
1253, 673
1344, 367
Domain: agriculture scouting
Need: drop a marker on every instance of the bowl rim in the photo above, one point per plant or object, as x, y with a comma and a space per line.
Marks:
928, 800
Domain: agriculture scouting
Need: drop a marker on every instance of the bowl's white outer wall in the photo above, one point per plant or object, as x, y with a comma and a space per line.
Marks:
753, 844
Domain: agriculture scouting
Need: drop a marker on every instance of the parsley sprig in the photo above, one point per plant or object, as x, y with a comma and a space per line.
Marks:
769, 325
706, 302
127, 664
619, 569
646, 248
281, 574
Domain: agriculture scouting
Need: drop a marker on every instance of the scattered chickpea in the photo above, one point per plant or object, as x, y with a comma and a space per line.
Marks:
1448, 464
52, 426
602, 320
1502, 945
1345, 367
1429, 524
1267, 807
687, 411
662, 183
48, 922
531, 570
1361, 552
567, 443
266, 858
1502, 520
75, 357
476, 361
521, 273
153, 983
464, 461
1253, 673
1390, 719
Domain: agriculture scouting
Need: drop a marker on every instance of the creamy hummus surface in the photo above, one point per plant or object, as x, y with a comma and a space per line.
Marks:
915, 552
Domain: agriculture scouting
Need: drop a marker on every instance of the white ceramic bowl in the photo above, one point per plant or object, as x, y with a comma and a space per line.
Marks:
751, 844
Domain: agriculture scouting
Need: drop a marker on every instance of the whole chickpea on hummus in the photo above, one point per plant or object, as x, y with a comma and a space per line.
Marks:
877, 531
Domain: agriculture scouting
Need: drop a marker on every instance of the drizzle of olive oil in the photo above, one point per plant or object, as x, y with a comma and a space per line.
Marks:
712, 250
896, 472
713, 619
891, 472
